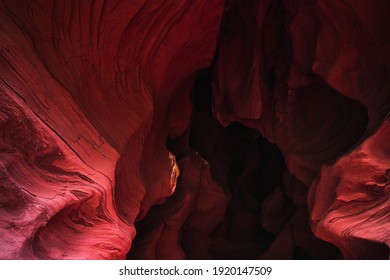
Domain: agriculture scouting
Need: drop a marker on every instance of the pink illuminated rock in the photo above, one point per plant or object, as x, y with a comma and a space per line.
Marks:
92, 84
194, 129
53, 205
350, 202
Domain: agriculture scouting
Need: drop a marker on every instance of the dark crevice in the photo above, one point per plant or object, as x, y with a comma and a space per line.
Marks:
250, 168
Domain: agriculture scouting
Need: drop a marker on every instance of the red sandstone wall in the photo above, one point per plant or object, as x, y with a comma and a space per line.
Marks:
91, 90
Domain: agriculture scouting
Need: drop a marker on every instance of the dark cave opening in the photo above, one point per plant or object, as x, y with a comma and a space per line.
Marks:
252, 172
227, 129
243, 162
240, 155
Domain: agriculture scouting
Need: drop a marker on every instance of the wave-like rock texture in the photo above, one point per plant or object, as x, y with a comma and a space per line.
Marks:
312, 77
350, 202
306, 71
90, 90
53, 204
116, 143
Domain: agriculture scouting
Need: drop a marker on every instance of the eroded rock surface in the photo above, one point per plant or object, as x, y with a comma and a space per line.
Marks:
116, 143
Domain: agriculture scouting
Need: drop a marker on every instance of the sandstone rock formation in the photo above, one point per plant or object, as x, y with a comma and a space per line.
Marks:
220, 129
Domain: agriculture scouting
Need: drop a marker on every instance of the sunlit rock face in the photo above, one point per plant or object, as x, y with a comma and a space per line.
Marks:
194, 129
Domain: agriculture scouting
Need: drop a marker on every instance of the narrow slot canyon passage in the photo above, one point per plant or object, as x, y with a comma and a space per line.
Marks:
221, 129
264, 213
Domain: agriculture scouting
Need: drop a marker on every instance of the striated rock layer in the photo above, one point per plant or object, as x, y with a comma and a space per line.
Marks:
90, 90
350, 201
312, 77
116, 143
